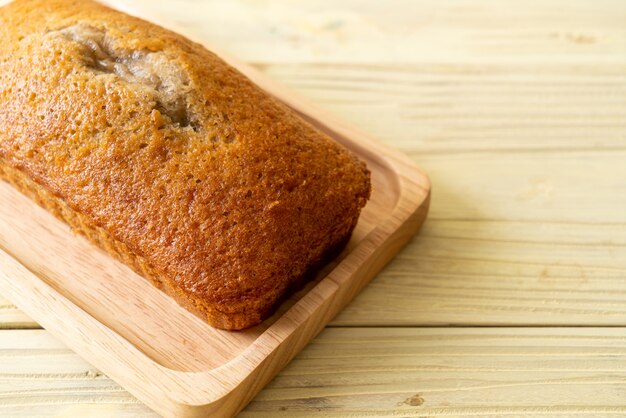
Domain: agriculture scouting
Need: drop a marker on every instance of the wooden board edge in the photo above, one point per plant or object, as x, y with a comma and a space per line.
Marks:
63, 319
295, 337
384, 242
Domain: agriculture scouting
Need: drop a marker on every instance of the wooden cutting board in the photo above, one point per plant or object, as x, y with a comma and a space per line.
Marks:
171, 360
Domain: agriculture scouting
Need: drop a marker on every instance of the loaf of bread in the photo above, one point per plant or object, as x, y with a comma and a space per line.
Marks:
170, 159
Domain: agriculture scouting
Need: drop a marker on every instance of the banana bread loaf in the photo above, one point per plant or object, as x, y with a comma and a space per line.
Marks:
169, 159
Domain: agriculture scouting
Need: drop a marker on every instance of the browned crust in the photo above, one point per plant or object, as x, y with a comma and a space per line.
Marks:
80, 224
224, 206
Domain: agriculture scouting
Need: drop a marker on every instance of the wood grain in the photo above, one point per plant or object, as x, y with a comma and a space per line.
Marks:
410, 31
518, 111
374, 372
473, 108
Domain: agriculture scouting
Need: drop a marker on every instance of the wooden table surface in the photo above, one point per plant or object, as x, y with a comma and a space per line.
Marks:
512, 301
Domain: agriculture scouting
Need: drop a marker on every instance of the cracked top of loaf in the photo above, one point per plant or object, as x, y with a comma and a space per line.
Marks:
222, 193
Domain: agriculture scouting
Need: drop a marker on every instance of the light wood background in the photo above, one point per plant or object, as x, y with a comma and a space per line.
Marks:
512, 301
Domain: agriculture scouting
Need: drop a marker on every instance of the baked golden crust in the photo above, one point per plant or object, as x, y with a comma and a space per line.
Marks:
168, 158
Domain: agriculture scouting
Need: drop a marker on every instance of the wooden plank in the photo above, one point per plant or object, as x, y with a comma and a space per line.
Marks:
363, 372
409, 32
39, 376
500, 273
432, 372
12, 317
426, 109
